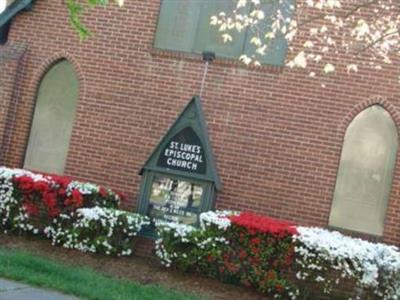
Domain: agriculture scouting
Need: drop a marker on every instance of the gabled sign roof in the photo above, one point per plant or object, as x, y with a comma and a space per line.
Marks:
185, 149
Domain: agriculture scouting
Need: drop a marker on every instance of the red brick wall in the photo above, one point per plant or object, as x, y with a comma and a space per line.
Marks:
11, 66
277, 135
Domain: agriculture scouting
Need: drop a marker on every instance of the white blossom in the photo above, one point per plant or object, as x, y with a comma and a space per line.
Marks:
94, 230
365, 34
372, 265
329, 68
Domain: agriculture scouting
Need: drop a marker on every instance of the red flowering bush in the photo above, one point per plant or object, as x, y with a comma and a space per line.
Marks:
252, 250
33, 193
260, 252
261, 224
73, 214
29, 201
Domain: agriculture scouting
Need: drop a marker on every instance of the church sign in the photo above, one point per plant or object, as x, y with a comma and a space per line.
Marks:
184, 152
180, 178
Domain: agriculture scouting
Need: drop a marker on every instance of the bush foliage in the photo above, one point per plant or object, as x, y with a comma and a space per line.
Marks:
73, 214
280, 259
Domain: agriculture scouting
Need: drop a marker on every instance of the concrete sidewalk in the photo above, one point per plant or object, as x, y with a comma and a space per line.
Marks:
11, 290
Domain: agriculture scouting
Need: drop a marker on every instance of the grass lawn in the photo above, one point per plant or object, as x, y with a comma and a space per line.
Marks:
81, 282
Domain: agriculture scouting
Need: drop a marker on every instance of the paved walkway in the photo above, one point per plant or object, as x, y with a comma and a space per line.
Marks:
11, 290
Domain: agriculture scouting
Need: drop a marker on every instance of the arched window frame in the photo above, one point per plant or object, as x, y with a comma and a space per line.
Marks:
388, 171
37, 84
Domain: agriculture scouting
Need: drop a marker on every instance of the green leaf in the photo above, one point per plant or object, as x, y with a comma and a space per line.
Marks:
76, 10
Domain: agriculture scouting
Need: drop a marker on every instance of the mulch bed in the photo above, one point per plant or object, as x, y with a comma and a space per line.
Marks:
139, 269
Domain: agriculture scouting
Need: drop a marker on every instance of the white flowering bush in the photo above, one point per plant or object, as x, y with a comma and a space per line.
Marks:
29, 201
97, 230
216, 218
73, 214
280, 259
171, 235
184, 245
13, 216
329, 259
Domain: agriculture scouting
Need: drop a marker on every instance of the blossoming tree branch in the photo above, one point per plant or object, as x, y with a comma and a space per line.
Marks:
318, 32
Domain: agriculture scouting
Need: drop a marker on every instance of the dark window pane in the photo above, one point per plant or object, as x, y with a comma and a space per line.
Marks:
177, 25
209, 38
277, 48
184, 25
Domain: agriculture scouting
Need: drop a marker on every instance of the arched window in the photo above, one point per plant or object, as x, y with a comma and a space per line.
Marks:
365, 173
53, 119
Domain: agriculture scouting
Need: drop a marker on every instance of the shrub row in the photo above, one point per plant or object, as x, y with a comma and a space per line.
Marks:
273, 256
97, 230
280, 259
73, 214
